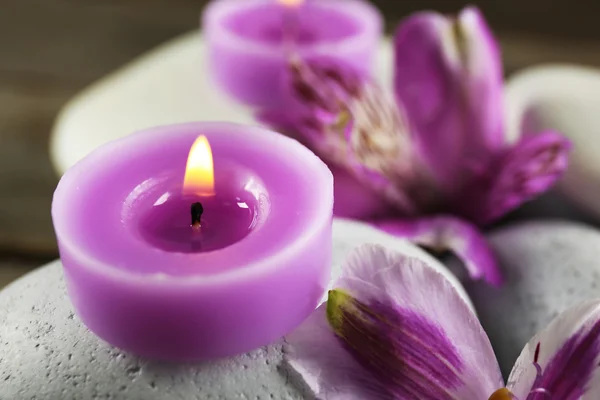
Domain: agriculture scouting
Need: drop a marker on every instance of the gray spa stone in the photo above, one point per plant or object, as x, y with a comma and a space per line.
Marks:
549, 267
47, 354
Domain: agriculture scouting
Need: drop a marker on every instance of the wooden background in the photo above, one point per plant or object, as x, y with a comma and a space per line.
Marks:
50, 49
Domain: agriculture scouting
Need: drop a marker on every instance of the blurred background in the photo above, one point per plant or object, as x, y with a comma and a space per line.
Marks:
51, 49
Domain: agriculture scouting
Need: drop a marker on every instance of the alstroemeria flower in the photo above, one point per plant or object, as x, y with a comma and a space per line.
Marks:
438, 146
394, 328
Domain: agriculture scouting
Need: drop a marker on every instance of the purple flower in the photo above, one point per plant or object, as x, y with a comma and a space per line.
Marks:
394, 328
437, 147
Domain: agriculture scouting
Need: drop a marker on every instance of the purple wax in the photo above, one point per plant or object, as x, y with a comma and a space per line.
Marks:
159, 213
166, 225
313, 24
251, 41
141, 278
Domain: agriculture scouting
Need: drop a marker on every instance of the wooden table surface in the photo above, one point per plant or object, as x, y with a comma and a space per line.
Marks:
50, 49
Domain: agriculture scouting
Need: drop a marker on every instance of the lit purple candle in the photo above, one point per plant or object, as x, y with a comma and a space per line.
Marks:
166, 260
250, 41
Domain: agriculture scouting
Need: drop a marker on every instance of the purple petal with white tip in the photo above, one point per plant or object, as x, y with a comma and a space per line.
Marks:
446, 233
394, 329
528, 169
561, 362
448, 78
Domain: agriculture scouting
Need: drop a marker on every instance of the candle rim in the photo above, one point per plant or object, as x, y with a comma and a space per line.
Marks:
217, 11
253, 269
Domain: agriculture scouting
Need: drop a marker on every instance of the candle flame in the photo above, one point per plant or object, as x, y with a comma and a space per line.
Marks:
199, 173
291, 3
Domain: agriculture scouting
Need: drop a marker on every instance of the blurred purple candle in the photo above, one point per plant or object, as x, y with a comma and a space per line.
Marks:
185, 258
251, 41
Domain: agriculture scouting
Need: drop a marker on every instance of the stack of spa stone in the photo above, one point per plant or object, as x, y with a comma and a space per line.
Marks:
46, 353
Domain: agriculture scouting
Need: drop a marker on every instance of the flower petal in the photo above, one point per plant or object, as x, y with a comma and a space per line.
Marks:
316, 111
448, 78
561, 362
351, 124
432, 345
324, 364
528, 169
446, 233
354, 200
279, 119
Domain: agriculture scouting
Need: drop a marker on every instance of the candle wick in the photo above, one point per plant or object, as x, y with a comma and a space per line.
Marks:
196, 212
